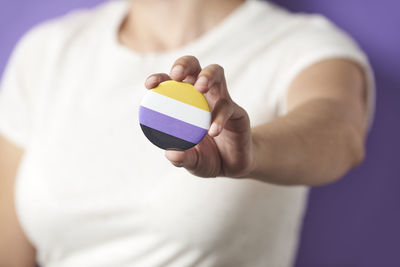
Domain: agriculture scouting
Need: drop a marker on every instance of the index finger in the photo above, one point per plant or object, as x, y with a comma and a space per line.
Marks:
155, 79
186, 68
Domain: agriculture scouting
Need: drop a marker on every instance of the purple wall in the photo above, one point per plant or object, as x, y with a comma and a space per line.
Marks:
356, 221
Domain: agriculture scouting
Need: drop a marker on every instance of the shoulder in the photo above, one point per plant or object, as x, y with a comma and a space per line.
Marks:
274, 20
292, 42
299, 38
270, 30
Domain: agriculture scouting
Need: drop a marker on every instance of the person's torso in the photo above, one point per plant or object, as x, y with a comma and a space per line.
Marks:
92, 191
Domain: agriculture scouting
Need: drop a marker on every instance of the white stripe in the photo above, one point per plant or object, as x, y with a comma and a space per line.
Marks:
177, 109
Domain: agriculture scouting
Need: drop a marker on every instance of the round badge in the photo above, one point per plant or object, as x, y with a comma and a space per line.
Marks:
174, 115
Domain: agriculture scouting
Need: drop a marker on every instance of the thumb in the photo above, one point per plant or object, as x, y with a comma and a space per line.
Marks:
187, 159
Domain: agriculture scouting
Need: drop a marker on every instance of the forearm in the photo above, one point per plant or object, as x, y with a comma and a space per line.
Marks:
313, 144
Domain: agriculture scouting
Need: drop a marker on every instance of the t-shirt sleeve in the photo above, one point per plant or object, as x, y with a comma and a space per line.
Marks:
17, 90
316, 40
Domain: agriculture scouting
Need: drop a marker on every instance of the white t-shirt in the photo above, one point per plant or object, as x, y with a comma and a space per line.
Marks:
93, 191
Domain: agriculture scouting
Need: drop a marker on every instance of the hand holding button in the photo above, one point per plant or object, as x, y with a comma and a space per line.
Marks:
175, 117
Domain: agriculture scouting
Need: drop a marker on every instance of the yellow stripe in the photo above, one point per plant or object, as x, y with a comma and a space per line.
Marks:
183, 92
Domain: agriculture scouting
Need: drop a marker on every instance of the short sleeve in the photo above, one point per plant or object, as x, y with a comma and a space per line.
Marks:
17, 89
316, 40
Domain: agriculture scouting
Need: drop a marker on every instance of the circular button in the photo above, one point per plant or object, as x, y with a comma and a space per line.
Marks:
174, 115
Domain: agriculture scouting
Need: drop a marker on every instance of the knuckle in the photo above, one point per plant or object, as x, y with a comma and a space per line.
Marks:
224, 103
192, 160
223, 107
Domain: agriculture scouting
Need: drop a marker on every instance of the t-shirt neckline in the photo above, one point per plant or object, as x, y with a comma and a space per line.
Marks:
196, 46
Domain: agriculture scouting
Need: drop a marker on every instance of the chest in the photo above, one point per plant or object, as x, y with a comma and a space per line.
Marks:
90, 174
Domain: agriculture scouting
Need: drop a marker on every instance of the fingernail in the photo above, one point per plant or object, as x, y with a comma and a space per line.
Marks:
151, 80
177, 71
178, 164
202, 82
214, 129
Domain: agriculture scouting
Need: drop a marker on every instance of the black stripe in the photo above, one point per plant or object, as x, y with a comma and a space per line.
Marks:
165, 141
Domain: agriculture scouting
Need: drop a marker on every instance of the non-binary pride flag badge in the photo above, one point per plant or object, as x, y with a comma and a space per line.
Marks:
174, 115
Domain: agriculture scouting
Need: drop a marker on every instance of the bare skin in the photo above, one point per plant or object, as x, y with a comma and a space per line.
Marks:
145, 27
15, 250
321, 137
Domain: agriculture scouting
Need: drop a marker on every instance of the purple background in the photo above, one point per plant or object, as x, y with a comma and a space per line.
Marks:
354, 222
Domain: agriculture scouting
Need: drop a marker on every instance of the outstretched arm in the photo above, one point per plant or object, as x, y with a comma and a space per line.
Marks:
319, 139
323, 134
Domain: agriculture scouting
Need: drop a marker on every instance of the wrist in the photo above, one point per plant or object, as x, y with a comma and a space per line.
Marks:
252, 168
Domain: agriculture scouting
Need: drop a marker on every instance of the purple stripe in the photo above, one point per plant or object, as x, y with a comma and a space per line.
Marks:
170, 125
